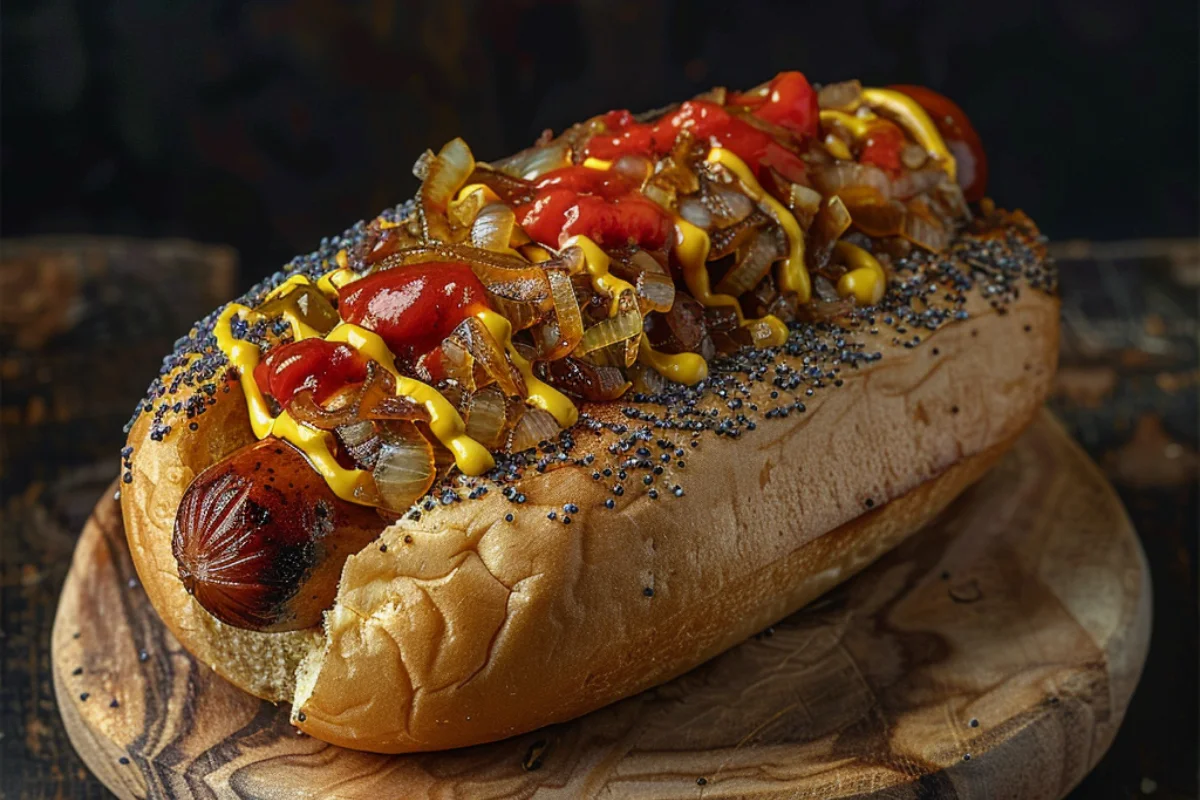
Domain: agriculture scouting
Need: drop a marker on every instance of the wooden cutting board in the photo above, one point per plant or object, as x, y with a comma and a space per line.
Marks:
991, 655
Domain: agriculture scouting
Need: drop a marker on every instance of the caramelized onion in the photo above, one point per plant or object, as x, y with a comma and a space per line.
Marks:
878, 219
444, 174
683, 329
726, 205
694, 211
726, 240
634, 167
804, 200
404, 467
588, 381
535, 426
566, 313
360, 441
507, 277
913, 156
306, 302
648, 381
830, 223
918, 182
470, 347
374, 398
924, 233
536, 161
492, 228
845, 95
655, 291
511, 190
753, 262
835, 178
611, 330
487, 416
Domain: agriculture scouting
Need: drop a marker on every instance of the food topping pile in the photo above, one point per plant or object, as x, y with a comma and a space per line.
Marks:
622, 256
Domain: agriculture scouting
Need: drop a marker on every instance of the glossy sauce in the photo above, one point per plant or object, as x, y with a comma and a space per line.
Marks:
600, 204
309, 365
413, 307
789, 103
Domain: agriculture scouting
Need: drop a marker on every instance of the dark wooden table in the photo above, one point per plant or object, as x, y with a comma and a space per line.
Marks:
84, 323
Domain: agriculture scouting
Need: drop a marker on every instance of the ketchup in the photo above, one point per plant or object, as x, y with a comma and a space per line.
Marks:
960, 137
883, 146
599, 204
413, 307
309, 365
790, 103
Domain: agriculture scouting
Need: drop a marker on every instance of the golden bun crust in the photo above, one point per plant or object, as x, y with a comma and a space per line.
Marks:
466, 627
480, 628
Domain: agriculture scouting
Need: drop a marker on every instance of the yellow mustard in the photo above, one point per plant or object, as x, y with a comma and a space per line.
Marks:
858, 124
913, 118
335, 279
837, 148
866, 281
793, 275
352, 485
596, 262
444, 420
686, 368
537, 392
691, 249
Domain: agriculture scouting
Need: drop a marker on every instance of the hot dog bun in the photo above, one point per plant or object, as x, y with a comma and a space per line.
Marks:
462, 627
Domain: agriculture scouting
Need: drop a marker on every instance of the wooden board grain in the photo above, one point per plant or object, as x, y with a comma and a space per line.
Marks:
991, 655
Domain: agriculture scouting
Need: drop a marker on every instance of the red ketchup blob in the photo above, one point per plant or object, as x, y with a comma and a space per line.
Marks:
599, 204
960, 137
882, 148
309, 365
789, 102
413, 307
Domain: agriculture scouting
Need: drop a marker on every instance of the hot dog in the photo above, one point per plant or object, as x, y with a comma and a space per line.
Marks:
572, 422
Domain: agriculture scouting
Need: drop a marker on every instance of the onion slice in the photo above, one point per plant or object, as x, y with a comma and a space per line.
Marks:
372, 399
754, 261
486, 416
492, 228
924, 233
611, 330
588, 381
835, 178
568, 321
471, 345
844, 96
830, 223
535, 426
917, 182
444, 174
878, 219
404, 467
536, 161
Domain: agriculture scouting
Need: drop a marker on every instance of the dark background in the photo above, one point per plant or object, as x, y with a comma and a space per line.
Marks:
268, 125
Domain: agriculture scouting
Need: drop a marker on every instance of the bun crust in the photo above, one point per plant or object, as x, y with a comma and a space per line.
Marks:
461, 627
483, 629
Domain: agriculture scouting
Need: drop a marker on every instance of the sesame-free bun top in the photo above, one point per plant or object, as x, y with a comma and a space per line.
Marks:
732, 504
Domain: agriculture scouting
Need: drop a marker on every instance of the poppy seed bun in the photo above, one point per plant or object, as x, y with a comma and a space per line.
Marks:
459, 626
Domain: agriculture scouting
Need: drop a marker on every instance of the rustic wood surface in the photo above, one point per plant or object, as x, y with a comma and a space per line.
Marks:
1127, 393
995, 652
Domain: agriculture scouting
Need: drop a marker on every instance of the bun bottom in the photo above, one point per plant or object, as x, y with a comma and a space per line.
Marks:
793, 581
